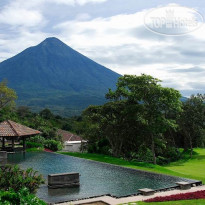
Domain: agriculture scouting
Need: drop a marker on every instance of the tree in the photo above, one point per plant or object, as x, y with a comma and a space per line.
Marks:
118, 122
192, 120
156, 104
7, 95
23, 111
46, 114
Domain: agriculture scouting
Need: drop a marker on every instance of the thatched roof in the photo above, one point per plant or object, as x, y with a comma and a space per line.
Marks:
9, 128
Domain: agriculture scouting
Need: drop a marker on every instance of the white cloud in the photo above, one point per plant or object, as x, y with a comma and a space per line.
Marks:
28, 13
83, 2
112, 31
120, 42
123, 44
20, 17
37, 3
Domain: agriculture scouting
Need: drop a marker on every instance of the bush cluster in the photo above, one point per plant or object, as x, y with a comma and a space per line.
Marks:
21, 197
37, 139
40, 142
12, 177
53, 145
33, 145
17, 186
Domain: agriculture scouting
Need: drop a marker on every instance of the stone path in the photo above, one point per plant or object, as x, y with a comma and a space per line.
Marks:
114, 201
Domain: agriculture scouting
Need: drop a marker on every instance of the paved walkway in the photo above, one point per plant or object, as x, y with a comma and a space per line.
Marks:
114, 201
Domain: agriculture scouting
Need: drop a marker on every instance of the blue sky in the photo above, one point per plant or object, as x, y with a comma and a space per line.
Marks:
112, 33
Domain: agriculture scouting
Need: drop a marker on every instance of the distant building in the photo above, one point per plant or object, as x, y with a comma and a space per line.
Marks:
72, 142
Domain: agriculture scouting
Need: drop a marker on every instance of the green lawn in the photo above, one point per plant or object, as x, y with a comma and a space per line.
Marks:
189, 168
186, 202
40, 149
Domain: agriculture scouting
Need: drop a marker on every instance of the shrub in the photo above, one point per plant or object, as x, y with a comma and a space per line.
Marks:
172, 153
37, 139
12, 177
101, 147
33, 145
53, 145
144, 153
21, 197
92, 148
104, 147
162, 160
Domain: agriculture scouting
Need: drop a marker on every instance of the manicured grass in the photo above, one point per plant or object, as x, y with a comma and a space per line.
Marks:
192, 168
187, 168
40, 149
186, 202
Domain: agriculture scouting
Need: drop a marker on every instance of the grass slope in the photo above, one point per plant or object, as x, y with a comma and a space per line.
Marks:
192, 168
187, 168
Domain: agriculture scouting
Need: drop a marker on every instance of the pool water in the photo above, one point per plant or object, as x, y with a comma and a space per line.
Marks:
95, 178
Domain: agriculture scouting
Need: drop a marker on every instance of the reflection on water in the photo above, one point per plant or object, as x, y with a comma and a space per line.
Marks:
96, 178
63, 191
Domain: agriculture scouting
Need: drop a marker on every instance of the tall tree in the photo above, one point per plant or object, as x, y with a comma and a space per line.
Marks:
118, 122
192, 120
156, 104
7, 95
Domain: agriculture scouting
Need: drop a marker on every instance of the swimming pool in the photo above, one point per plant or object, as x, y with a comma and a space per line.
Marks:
95, 178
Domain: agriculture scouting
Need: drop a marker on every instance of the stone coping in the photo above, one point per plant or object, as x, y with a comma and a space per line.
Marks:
157, 191
124, 200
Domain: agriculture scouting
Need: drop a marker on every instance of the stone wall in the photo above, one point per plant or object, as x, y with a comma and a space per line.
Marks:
63, 180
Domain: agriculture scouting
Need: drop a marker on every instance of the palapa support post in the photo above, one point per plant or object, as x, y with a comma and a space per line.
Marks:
3, 143
24, 144
12, 143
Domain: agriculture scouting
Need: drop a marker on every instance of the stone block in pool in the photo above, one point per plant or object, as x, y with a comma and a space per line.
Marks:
3, 155
184, 185
146, 192
56, 181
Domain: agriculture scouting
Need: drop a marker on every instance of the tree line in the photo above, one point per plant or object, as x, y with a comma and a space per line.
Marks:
141, 120
145, 121
44, 121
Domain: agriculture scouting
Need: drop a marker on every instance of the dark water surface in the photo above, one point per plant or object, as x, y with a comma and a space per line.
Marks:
96, 178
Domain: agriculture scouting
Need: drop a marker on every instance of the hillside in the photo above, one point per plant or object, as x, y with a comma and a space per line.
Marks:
55, 76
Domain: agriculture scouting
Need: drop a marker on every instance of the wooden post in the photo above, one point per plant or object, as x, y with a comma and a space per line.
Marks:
24, 144
13, 143
3, 143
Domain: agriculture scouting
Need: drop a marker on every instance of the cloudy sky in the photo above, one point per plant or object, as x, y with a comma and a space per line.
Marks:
111, 32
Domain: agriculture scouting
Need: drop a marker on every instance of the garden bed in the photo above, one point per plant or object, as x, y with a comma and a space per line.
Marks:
177, 197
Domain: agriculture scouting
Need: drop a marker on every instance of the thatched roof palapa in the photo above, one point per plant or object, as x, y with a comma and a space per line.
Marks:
9, 128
